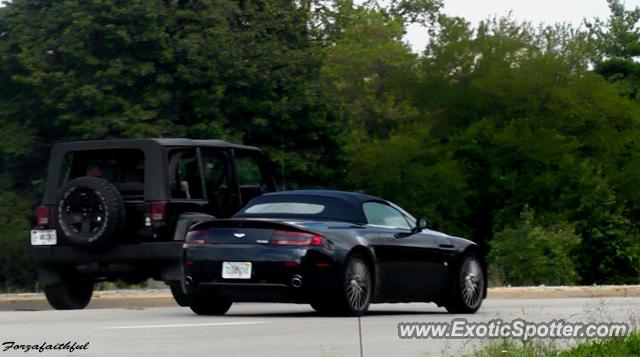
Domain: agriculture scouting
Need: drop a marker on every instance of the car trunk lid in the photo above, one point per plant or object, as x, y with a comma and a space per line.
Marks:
243, 231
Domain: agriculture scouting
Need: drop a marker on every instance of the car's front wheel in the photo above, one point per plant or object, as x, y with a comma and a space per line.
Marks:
70, 293
209, 304
468, 289
356, 288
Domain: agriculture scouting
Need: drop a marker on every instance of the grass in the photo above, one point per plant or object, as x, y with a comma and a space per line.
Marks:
511, 348
627, 346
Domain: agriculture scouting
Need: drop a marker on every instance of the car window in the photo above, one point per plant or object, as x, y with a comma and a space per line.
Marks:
217, 180
286, 207
184, 174
215, 170
381, 214
250, 178
248, 171
300, 205
124, 168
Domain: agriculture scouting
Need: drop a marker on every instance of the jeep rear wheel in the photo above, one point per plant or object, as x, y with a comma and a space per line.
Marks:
179, 295
90, 212
71, 293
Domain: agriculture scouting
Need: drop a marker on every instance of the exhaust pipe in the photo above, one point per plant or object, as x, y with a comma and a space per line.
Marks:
296, 281
188, 280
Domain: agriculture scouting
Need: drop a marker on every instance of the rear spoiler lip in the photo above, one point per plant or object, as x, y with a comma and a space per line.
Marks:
239, 222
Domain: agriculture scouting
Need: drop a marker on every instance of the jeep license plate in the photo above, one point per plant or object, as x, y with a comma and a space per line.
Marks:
44, 237
236, 270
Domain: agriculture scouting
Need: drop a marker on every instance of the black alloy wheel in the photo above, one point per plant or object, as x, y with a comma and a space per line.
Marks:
357, 286
469, 287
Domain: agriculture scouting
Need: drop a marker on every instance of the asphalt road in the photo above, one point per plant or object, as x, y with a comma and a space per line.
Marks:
279, 329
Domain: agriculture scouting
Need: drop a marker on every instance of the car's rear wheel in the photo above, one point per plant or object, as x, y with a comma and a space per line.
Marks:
468, 289
209, 304
73, 292
356, 287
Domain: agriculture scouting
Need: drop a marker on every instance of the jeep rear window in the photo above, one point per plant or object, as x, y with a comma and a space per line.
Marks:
124, 168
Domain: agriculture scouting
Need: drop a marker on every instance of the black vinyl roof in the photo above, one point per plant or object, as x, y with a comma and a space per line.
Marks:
155, 157
340, 205
352, 197
146, 142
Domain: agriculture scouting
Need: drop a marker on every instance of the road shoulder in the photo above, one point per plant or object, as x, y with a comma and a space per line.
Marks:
139, 299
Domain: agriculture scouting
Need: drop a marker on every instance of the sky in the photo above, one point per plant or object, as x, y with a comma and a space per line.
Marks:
535, 11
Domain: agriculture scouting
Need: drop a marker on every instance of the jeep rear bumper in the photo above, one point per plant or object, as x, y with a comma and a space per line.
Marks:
128, 253
156, 260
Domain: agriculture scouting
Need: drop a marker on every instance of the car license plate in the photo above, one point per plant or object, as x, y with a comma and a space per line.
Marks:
44, 237
236, 270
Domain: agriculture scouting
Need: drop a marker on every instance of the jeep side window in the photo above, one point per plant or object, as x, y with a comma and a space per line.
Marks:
216, 177
250, 177
184, 174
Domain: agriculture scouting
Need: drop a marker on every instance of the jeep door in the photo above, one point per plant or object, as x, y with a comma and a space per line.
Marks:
221, 188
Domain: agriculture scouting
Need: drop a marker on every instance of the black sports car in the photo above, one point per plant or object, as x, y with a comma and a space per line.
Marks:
338, 251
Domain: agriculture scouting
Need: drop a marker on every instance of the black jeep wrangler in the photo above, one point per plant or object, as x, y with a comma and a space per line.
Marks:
119, 209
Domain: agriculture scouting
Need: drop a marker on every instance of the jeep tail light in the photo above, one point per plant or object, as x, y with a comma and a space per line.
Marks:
158, 211
296, 238
43, 215
197, 237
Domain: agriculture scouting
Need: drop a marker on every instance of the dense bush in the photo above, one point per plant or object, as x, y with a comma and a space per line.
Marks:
530, 254
16, 266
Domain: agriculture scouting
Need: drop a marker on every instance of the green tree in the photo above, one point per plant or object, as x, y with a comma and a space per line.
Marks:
616, 42
207, 69
416, 172
368, 74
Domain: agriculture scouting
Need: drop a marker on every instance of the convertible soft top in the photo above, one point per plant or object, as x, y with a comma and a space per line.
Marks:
339, 205
146, 142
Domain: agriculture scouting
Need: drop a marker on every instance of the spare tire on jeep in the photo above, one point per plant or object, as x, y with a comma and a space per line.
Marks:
90, 212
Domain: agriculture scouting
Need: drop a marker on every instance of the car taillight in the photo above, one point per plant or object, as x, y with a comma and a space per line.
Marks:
197, 237
158, 211
43, 214
295, 238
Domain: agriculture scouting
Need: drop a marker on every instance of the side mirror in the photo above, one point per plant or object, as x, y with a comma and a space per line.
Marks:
421, 224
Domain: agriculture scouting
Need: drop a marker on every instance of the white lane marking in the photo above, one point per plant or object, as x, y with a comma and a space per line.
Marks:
188, 325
